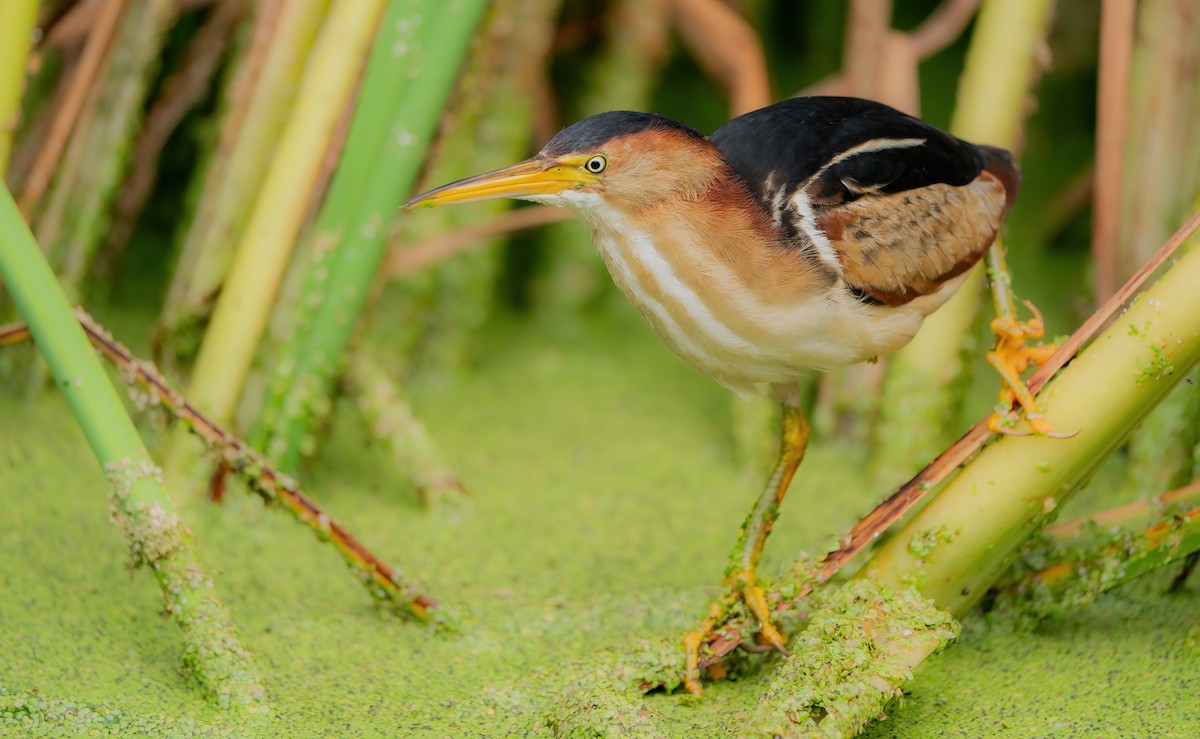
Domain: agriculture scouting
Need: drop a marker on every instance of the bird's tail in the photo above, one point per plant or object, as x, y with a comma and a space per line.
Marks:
999, 162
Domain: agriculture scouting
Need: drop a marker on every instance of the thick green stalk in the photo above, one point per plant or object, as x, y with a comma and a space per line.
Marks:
961, 541
392, 148
434, 315
243, 309
138, 504
924, 378
18, 18
259, 101
394, 61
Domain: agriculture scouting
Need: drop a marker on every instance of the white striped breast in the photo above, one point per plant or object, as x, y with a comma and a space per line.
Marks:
766, 344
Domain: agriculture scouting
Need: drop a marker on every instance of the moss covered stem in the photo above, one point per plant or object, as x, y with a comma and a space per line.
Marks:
138, 504
859, 649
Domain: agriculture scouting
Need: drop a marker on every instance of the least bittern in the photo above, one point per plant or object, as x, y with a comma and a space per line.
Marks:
812, 233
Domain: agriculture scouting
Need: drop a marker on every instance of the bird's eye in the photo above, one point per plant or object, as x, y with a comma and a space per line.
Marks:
596, 164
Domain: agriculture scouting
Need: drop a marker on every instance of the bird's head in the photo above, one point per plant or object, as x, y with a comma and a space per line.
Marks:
618, 159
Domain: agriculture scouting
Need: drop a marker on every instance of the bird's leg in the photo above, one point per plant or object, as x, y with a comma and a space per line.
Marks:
1012, 356
741, 578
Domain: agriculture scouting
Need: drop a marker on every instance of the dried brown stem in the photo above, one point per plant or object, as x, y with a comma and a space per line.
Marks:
266, 23
405, 260
73, 25
943, 26
728, 48
179, 94
866, 29
1112, 119
384, 582
901, 502
937, 32
94, 53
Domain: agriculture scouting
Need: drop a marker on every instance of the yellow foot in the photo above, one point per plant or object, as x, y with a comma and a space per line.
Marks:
739, 585
1010, 359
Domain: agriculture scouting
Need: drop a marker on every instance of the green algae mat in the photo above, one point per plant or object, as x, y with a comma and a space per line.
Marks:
604, 498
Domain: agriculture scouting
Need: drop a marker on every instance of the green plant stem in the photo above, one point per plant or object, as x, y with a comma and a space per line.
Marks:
257, 106
350, 238
985, 513
18, 18
138, 504
243, 309
924, 378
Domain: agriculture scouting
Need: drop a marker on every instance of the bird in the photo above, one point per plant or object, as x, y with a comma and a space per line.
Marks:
813, 233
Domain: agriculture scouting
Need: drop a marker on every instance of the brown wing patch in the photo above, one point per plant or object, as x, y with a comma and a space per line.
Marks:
900, 246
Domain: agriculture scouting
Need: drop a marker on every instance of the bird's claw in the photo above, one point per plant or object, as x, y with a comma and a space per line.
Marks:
739, 585
1010, 359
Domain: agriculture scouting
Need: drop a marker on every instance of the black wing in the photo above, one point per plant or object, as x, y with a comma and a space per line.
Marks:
898, 204
781, 147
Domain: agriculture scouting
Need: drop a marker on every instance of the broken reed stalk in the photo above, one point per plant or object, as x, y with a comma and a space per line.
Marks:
864, 533
243, 308
408, 79
923, 378
257, 104
213, 654
18, 20
385, 583
1064, 531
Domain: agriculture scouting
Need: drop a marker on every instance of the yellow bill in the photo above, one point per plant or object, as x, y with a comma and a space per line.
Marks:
536, 176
